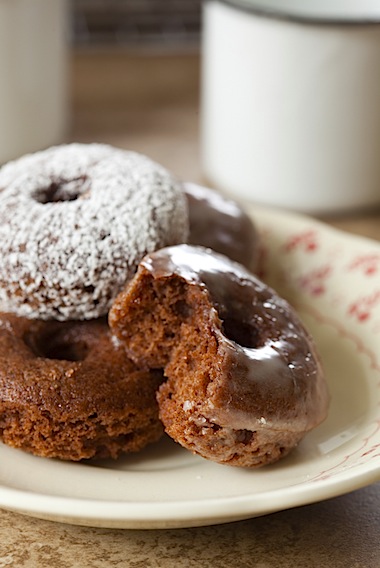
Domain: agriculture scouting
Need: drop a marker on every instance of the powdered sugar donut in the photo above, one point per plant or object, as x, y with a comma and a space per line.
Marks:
75, 221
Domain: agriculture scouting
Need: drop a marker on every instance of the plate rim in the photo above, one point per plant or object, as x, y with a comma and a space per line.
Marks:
296, 495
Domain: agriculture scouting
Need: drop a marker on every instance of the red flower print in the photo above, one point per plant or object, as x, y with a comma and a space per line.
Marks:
306, 241
369, 264
314, 282
361, 309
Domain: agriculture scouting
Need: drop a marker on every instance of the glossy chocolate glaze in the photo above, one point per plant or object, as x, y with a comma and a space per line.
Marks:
271, 375
221, 224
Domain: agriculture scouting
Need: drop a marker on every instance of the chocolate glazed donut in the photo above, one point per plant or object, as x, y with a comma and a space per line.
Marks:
244, 381
221, 224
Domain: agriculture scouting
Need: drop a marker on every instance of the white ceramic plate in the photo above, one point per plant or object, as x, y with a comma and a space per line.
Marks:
333, 279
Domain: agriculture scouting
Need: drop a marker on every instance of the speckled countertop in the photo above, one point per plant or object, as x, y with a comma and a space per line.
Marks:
338, 533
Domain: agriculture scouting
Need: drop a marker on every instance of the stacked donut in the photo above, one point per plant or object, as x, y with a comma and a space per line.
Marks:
75, 221
194, 343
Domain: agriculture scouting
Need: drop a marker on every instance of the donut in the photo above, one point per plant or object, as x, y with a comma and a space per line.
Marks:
68, 391
75, 220
244, 382
221, 224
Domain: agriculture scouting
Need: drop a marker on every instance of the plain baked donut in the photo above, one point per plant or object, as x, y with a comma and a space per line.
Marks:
75, 221
68, 391
244, 381
220, 223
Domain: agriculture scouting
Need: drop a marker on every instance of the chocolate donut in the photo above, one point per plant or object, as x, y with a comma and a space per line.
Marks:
68, 391
221, 224
244, 381
75, 221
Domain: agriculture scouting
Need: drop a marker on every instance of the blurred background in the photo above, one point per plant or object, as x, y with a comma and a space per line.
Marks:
271, 101
135, 78
168, 24
123, 72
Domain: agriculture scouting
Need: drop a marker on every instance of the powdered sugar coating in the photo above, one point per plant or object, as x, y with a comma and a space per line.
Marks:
75, 221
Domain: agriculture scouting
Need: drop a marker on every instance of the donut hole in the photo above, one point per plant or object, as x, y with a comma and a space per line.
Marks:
62, 190
59, 346
66, 351
241, 333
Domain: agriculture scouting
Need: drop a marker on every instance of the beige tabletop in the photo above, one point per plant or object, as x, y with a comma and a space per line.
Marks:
150, 104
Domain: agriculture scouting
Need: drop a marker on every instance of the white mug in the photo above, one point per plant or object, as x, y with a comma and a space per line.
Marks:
290, 105
33, 75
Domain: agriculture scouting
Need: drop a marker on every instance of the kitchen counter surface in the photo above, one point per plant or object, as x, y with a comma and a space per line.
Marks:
150, 104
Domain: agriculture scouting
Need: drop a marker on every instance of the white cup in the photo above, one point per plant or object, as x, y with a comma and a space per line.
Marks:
290, 106
33, 71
